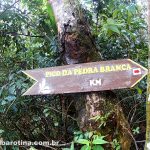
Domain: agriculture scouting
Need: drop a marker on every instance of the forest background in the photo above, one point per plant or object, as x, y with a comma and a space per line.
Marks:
29, 40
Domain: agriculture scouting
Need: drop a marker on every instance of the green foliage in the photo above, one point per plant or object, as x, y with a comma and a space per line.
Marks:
136, 130
120, 30
51, 16
90, 140
101, 119
28, 40
116, 145
1, 131
32, 148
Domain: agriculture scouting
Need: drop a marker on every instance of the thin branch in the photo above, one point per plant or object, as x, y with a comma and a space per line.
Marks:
18, 34
143, 141
133, 114
140, 117
10, 106
134, 108
136, 146
126, 98
59, 112
39, 36
139, 121
62, 113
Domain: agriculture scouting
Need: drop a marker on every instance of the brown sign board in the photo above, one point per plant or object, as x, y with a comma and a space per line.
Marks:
95, 76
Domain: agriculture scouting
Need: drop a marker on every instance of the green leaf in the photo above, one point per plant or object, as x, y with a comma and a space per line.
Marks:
36, 118
129, 17
3, 102
115, 13
56, 124
83, 141
114, 28
52, 17
1, 109
76, 138
90, 134
118, 147
86, 147
15, 147
72, 146
99, 141
12, 89
80, 136
10, 98
32, 148
132, 8
104, 16
96, 118
1, 90
1, 131
139, 90
46, 112
98, 147
86, 135
136, 130
110, 21
19, 84
77, 132
11, 77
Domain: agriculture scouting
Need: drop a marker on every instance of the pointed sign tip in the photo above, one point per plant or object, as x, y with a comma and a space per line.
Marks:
145, 69
27, 72
28, 92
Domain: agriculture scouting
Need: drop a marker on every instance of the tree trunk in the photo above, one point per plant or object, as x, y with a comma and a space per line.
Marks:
147, 143
78, 47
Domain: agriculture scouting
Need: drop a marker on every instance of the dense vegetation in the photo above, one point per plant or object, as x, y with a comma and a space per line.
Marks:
28, 40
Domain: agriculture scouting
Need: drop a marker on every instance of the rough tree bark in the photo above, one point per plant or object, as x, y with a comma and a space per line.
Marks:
147, 145
78, 47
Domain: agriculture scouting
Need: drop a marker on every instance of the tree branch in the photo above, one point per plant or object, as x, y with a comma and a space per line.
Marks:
19, 34
60, 112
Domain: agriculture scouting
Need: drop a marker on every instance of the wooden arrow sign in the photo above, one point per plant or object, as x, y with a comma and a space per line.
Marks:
95, 76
